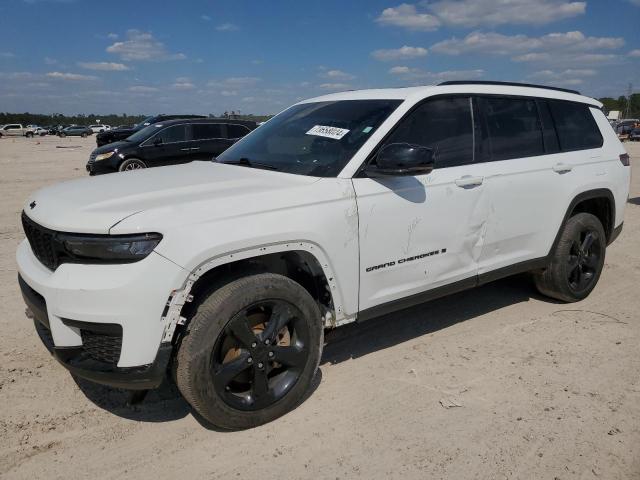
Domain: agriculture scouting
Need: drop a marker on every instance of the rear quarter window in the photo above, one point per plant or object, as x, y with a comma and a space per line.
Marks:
576, 127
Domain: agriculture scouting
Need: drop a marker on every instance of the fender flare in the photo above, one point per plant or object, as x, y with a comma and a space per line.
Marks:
588, 195
171, 317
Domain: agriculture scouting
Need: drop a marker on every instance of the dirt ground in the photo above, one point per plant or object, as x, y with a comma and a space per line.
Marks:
496, 382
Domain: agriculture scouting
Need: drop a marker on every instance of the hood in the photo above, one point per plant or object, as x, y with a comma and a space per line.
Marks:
109, 147
95, 204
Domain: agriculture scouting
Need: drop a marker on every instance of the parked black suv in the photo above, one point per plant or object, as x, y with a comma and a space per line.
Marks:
169, 143
116, 134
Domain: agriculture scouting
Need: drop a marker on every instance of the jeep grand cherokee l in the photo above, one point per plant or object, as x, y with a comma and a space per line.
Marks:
168, 143
339, 209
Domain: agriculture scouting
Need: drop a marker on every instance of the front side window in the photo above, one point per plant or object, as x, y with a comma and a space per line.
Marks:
444, 125
513, 126
577, 129
173, 134
316, 139
205, 131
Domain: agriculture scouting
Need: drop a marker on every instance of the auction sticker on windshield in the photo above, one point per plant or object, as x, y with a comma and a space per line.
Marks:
329, 132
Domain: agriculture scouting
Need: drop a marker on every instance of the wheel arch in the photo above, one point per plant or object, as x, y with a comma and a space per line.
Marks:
302, 261
599, 202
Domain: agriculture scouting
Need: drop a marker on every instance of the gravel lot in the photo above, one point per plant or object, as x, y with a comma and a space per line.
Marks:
496, 382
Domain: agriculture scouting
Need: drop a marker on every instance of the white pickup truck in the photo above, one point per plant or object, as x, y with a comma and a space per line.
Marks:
16, 130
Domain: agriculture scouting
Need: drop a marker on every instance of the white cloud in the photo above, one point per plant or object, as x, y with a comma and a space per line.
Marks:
227, 27
248, 99
235, 82
499, 44
563, 77
635, 2
430, 15
50, 61
418, 75
142, 46
7, 55
228, 93
104, 66
634, 53
407, 16
183, 83
473, 13
142, 89
335, 86
402, 53
337, 75
112, 36
17, 75
70, 76
206, 18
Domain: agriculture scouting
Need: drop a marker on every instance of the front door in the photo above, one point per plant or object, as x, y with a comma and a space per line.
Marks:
421, 232
167, 147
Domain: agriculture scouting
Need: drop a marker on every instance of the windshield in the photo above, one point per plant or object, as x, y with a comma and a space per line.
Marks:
315, 139
145, 133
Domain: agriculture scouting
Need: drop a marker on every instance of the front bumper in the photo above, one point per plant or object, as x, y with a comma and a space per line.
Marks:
83, 365
74, 303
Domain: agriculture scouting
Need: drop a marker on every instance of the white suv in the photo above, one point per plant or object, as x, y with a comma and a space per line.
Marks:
341, 208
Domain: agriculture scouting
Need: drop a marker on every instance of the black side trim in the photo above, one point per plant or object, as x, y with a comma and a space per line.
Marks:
35, 302
615, 234
521, 267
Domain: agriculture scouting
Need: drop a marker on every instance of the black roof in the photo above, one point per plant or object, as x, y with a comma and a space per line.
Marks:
510, 84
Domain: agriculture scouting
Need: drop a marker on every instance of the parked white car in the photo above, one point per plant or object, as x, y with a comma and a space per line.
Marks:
16, 130
98, 128
341, 208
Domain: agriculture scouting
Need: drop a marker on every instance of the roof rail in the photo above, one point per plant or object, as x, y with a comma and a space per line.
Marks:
510, 84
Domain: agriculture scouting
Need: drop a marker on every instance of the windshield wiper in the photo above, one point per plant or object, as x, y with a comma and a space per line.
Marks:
245, 162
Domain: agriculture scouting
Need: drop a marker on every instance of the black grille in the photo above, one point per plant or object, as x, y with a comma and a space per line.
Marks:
101, 346
41, 241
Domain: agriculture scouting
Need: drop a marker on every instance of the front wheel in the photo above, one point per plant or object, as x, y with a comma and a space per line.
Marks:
84, 135
250, 352
131, 164
29, 134
62, 135
576, 261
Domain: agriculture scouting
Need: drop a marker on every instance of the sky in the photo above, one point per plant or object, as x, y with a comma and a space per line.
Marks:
257, 56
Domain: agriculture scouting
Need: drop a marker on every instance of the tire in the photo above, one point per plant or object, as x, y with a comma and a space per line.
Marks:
29, 135
83, 135
62, 135
223, 354
131, 164
576, 261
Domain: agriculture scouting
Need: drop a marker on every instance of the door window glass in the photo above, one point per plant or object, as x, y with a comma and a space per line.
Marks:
204, 131
237, 131
443, 125
577, 129
175, 133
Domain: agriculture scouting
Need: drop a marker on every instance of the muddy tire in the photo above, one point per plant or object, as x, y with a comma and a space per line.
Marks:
131, 164
250, 352
576, 261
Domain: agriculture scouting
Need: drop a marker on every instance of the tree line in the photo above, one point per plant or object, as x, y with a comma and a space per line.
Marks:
113, 120
621, 103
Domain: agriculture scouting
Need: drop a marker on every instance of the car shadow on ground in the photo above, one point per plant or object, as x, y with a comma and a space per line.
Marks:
356, 340
349, 342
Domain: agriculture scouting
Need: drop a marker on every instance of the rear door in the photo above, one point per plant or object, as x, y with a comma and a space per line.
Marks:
209, 140
527, 181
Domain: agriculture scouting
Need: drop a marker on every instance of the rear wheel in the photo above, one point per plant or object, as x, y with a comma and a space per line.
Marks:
84, 135
131, 164
250, 351
577, 260
62, 134
29, 134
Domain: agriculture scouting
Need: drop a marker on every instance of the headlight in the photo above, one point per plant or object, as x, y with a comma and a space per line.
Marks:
103, 156
108, 248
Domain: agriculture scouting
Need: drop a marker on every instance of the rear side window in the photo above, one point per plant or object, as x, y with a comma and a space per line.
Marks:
513, 126
204, 131
576, 127
237, 131
445, 125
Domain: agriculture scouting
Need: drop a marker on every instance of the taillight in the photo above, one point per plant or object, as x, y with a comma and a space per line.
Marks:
624, 159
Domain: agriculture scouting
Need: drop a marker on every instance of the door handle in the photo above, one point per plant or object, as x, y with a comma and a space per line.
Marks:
195, 148
562, 168
467, 181
185, 149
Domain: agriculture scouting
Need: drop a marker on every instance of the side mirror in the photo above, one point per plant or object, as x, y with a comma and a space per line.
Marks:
402, 159
157, 141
